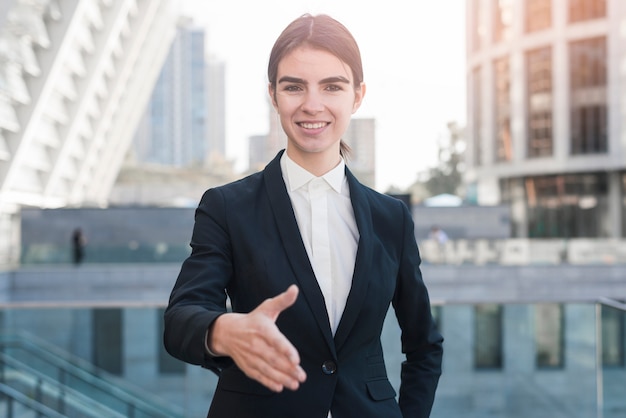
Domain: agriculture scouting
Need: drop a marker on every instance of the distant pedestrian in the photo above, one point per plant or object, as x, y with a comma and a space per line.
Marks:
438, 235
440, 238
78, 245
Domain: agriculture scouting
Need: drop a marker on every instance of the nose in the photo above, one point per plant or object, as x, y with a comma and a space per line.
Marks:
312, 102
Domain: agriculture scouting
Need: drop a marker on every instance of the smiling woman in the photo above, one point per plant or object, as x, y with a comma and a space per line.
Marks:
314, 349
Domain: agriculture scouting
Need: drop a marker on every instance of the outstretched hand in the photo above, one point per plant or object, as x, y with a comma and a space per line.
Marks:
257, 346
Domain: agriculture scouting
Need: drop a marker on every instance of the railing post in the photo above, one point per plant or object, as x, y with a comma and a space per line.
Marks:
599, 371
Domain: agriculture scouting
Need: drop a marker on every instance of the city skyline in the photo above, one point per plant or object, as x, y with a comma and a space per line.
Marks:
414, 70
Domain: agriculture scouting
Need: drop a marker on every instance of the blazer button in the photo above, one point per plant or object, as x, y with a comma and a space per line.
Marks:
329, 367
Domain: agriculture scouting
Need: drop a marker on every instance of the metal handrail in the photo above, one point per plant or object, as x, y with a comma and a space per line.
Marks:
14, 395
65, 393
612, 303
86, 373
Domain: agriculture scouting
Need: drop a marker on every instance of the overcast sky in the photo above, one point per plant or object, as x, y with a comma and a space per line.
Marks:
414, 63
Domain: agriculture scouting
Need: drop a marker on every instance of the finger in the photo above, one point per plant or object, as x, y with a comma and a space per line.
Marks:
278, 371
274, 306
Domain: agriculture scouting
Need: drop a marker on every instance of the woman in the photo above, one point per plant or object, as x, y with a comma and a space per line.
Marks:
310, 259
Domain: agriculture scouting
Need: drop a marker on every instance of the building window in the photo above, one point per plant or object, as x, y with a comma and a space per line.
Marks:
108, 340
623, 204
588, 115
612, 337
539, 102
549, 331
580, 10
488, 336
567, 206
167, 363
538, 15
436, 312
477, 117
478, 25
504, 143
503, 20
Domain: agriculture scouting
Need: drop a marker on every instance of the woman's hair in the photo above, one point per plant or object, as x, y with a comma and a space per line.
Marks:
319, 32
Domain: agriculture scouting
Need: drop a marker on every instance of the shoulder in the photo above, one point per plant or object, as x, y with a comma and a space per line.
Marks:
234, 192
377, 200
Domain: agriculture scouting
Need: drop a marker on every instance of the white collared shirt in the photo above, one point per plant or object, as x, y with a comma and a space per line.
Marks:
328, 228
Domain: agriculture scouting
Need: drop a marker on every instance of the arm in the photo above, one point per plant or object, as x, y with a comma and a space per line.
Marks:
421, 342
196, 318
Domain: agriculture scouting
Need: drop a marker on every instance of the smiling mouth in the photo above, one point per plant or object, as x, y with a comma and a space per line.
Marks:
316, 125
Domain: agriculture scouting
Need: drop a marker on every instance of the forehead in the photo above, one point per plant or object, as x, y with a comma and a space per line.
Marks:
313, 63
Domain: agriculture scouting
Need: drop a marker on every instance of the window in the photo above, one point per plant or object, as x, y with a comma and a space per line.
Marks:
539, 102
478, 25
488, 336
436, 312
108, 340
167, 363
549, 332
503, 20
612, 337
580, 10
477, 117
588, 113
538, 15
504, 145
567, 206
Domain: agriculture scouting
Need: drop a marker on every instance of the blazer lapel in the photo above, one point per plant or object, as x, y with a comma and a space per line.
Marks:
360, 278
294, 247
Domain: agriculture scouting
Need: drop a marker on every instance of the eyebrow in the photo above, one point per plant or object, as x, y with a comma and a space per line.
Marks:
336, 79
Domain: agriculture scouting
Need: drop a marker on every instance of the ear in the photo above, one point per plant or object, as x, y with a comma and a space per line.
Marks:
359, 94
272, 94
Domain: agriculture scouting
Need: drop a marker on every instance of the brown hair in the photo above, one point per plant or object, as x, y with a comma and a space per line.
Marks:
320, 32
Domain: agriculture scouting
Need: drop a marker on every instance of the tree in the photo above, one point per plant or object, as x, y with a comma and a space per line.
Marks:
447, 176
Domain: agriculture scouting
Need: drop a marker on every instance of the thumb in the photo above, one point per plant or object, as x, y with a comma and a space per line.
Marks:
274, 306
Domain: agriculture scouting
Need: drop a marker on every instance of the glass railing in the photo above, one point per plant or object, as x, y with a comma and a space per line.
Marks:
512, 251
69, 385
513, 360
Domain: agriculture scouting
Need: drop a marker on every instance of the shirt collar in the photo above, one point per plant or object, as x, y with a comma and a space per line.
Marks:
296, 176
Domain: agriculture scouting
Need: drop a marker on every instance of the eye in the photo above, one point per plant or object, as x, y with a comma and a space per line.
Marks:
292, 88
333, 87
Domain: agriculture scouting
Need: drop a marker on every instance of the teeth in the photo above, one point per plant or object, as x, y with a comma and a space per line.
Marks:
313, 125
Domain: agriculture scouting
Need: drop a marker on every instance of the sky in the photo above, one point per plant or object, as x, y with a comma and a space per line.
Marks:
414, 66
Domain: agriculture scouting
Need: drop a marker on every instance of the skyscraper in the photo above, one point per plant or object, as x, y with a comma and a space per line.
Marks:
174, 129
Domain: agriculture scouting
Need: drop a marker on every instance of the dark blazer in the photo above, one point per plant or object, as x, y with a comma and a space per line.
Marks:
246, 244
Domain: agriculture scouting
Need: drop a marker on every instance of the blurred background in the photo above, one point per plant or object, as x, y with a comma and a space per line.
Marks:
500, 123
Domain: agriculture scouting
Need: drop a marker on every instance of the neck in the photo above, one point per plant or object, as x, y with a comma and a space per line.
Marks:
317, 164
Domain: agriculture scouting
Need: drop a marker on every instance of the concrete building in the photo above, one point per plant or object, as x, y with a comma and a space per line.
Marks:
546, 114
74, 78
361, 138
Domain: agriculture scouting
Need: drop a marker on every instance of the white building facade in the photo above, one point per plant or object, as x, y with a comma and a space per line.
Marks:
546, 114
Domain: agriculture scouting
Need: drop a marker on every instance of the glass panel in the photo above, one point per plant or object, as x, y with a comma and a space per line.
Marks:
504, 142
503, 20
580, 10
108, 342
539, 102
488, 336
612, 337
613, 372
588, 97
549, 329
538, 14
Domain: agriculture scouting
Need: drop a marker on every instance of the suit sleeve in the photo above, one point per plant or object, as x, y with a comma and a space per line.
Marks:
199, 295
421, 342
